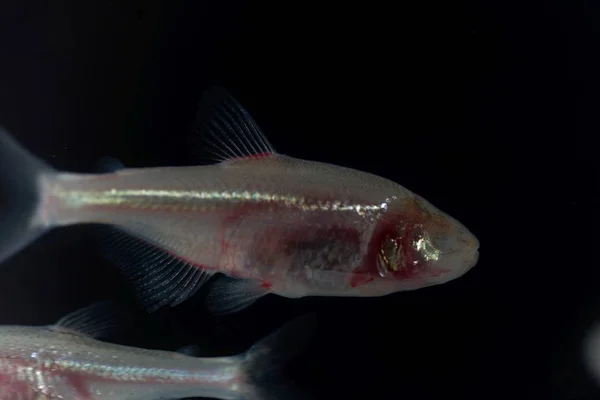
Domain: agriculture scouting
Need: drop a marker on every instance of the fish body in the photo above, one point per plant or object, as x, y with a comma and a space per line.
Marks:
57, 362
37, 362
276, 223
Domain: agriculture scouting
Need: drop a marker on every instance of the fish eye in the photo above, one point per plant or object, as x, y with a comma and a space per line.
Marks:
390, 257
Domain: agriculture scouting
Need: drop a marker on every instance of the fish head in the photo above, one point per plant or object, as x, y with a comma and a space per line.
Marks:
417, 247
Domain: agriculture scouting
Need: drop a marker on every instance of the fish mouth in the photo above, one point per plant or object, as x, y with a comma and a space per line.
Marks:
456, 264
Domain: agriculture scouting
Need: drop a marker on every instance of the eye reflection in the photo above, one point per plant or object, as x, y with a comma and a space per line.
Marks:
424, 245
382, 265
390, 257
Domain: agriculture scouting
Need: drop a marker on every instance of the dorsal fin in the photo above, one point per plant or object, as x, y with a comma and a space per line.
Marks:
192, 350
226, 129
108, 164
100, 319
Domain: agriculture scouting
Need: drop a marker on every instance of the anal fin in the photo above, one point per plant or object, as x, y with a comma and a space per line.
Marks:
158, 278
230, 295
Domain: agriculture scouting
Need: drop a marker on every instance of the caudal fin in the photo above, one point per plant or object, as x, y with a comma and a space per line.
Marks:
20, 196
263, 363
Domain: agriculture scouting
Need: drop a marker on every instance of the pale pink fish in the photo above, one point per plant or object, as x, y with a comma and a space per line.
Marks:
279, 224
66, 361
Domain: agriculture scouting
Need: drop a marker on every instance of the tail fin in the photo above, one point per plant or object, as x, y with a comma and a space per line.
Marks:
263, 362
20, 196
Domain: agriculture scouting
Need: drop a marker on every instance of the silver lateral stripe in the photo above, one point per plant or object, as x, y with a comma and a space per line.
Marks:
134, 197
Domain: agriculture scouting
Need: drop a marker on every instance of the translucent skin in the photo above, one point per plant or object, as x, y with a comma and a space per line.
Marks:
39, 363
298, 227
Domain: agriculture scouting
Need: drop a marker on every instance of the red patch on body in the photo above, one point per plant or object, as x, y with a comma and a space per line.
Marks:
230, 224
256, 156
399, 226
266, 285
360, 278
80, 384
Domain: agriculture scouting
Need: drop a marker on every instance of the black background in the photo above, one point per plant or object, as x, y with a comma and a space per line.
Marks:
486, 108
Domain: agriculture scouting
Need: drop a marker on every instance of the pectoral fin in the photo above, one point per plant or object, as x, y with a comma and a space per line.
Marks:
230, 295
